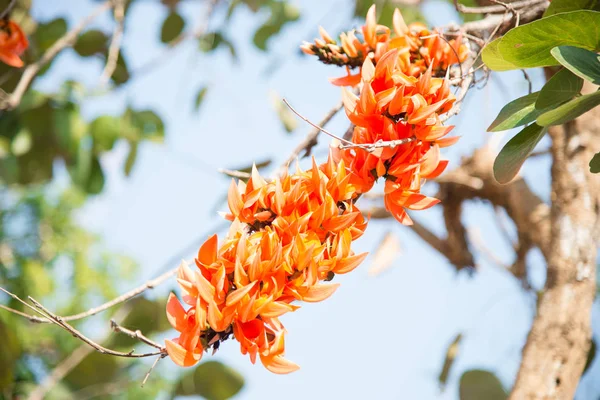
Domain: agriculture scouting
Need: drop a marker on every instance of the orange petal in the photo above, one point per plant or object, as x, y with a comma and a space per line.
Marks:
176, 313
207, 254
237, 295
424, 112
449, 141
348, 80
349, 263
278, 364
419, 201
181, 356
234, 199
319, 292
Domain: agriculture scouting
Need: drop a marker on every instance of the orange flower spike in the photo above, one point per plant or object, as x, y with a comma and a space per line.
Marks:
13, 43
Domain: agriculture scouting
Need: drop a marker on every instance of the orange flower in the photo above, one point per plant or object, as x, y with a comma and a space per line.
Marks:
418, 48
288, 236
393, 106
13, 43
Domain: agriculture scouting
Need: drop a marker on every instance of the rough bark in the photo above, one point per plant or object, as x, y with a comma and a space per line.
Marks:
556, 349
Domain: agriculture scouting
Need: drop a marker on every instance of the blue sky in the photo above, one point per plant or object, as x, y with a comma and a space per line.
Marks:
380, 337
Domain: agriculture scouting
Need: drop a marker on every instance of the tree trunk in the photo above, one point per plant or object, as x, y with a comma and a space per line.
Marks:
557, 346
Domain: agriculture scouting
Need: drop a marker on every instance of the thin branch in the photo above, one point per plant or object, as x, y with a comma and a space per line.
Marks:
325, 131
7, 10
152, 368
528, 79
234, 173
495, 9
134, 334
66, 41
93, 311
115, 44
310, 140
67, 365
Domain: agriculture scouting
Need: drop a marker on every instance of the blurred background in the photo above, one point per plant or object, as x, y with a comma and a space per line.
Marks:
104, 186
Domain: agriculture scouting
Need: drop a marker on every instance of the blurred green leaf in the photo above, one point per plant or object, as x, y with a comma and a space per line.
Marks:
583, 63
561, 6
569, 111
172, 27
515, 152
105, 131
516, 113
563, 86
385, 11
21, 143
286, 116
147, 125
95, 369
121, 74
200, 97
478, 384
131, 157
213, 40
91, 42
48, 33
282, 13
595, 164
451, 354
10, 351
211, 380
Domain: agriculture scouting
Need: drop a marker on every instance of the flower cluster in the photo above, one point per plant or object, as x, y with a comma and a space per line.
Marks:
418, 48
288, 236
291, 235
393, 106
13, 43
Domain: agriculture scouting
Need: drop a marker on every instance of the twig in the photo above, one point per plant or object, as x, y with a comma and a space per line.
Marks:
136, 335
325, 131
115, 44
370, 147
67, 365
66, 41
528, 79
152, 368
6, 11
310, 140
494, 9
234, 173
118, 300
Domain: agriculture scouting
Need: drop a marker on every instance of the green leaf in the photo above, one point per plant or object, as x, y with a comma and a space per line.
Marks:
515, 152
95, 369
529, 45
10, 351
281, 13
105, 130
21, 143
95, 181
200, 97
91, 42
131, 157
493, 59
121, 74
561, 6
569, 111
451, 354
211, 380
213, 40
563, 86
48, 33
172, 27
516, 113
595, 164
147, 125
583, 63
478, 384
